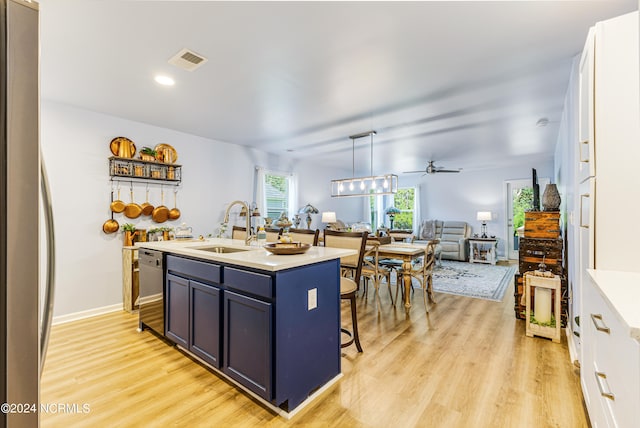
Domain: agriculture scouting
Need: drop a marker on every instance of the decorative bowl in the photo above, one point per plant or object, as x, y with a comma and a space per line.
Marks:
282, 248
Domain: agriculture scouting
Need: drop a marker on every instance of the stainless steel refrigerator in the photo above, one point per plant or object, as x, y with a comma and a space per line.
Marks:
22, 338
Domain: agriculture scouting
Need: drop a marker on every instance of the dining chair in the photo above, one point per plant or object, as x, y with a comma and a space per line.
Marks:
306, 236
352, 266
371, 271
238, 232
423, 272
273, 233
387, 265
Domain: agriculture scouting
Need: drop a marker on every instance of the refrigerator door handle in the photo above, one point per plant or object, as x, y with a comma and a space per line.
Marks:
47, 315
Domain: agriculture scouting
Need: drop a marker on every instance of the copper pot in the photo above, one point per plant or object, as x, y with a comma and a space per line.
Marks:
174, 213
111, 225
160, 213
132, 210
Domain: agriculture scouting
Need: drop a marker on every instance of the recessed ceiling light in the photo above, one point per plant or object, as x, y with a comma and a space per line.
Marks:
165, 80
290, 150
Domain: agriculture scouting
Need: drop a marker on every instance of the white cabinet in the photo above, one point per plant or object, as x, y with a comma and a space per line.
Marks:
610, 369
616, 142
586, 164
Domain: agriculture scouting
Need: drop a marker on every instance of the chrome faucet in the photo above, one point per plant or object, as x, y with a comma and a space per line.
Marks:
246, 207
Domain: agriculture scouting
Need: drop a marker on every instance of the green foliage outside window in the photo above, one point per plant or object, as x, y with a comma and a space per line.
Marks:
522, 201
404, 201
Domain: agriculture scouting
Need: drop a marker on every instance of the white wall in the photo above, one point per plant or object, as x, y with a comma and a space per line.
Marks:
75, 146
461, 196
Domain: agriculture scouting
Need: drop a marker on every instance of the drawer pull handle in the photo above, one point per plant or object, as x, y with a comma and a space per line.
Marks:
600, 326
600, 379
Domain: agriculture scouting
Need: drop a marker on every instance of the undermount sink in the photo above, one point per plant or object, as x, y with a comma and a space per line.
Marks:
220, 249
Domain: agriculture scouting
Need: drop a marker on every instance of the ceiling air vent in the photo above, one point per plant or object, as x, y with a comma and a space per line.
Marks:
187, 60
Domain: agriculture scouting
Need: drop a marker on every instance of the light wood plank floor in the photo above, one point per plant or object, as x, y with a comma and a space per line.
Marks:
468, 364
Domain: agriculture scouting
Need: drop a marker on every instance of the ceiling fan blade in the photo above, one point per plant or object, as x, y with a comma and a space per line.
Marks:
448, 170
413, 172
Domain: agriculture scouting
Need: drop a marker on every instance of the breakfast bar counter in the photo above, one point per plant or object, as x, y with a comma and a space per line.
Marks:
268, 323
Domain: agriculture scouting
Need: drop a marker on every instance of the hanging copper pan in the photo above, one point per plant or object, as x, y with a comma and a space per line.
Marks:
147, 208
117, 206
111, 225
174, 213
132, 210
160, 213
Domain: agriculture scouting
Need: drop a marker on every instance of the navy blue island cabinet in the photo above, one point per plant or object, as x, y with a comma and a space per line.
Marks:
277, 333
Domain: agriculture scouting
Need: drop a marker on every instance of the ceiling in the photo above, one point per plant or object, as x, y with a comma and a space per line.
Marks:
462, 83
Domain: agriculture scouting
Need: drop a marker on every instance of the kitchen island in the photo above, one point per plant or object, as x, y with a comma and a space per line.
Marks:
270, 323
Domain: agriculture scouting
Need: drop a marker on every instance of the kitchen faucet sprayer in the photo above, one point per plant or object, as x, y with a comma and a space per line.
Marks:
248, 218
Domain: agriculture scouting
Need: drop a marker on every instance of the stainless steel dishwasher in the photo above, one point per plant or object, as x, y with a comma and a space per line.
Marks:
151, 290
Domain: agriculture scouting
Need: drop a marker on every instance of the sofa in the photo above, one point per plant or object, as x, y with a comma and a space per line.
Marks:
453, 237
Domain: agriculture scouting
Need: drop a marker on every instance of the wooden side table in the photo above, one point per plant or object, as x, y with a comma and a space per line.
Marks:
483, 250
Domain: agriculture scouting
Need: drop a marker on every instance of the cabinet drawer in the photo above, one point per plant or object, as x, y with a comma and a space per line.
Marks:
195, 269
611, 371
249, 282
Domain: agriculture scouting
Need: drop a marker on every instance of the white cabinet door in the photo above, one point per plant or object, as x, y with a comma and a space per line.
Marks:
586, 164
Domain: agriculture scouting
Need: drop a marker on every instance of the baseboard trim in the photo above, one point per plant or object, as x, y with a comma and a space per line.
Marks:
63, 319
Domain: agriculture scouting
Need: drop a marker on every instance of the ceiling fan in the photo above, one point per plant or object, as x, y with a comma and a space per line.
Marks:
432, 169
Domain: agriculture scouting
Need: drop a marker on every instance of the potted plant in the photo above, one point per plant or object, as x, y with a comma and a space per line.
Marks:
148, 154
165, 232
129, 230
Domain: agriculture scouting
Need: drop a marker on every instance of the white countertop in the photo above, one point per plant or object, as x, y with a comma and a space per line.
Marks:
256, 257
621, 291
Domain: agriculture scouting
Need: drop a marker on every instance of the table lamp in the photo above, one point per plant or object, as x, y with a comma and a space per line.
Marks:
391, 212
484, 217
308, 210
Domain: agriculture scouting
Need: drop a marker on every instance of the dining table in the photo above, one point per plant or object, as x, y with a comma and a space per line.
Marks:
407, 253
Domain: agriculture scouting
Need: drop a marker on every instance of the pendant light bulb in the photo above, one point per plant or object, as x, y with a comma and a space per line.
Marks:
385, 184
351, 186
362, 185
341, 187
373, 183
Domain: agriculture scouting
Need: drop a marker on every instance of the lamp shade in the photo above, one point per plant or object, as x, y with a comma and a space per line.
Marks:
484, 216
392, 210
328, 217
308, 209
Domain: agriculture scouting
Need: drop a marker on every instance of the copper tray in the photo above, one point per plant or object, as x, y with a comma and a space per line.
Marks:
160, 148
282, 248
122, 147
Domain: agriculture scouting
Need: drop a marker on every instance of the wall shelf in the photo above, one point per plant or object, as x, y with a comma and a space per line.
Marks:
126, 169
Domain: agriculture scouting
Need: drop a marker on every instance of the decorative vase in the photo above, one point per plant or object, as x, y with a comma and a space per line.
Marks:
128, 238
551, 198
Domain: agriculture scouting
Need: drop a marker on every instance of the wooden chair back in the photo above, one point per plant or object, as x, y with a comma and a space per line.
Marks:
351, 240
273, 233
306, 236
238, 232
402, 236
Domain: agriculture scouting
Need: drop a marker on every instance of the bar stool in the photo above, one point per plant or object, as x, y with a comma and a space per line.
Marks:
349, 265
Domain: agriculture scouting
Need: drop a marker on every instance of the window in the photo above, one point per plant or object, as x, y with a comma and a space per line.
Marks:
404, 200
275, 193
276, 189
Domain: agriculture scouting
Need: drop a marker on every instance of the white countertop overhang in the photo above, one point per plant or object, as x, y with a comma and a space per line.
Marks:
621, 291
256, 257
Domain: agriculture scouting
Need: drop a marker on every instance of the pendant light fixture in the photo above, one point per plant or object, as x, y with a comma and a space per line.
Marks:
371, 185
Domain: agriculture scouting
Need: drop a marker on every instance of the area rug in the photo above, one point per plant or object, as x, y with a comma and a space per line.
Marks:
481, 281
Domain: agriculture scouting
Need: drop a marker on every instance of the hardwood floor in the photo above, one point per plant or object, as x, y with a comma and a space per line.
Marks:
468, 364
